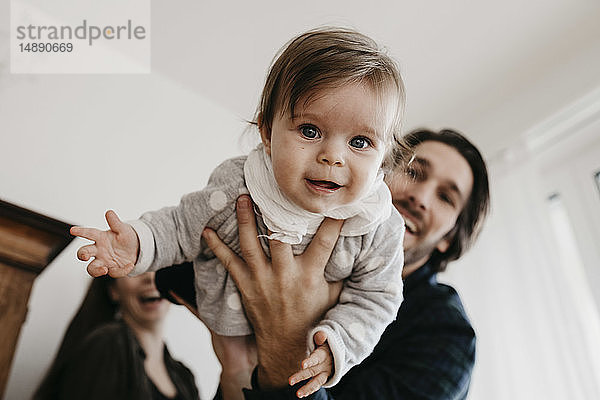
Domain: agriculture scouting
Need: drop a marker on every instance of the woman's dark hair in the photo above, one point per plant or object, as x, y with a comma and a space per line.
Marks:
470, 219
96, 309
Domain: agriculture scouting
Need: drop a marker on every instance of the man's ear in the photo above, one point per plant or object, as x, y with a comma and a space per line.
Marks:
265, 133
443, 245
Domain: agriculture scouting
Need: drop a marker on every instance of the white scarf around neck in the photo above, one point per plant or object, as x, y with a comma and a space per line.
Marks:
289, 222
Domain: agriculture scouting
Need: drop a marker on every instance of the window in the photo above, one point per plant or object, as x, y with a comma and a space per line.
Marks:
587, 324
567, 243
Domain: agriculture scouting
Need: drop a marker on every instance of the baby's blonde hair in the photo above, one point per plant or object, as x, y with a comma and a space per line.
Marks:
327, 58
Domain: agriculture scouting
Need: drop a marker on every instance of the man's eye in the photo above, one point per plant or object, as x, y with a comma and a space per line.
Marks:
446, 199
360, 142
412, 173
309, 131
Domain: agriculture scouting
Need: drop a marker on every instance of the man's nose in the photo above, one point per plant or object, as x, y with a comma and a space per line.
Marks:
332, 153
421, 195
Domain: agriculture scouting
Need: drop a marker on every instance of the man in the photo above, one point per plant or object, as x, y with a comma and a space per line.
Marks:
429, 351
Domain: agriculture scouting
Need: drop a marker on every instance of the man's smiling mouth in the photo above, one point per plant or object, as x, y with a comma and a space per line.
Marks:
411, 218
410, 226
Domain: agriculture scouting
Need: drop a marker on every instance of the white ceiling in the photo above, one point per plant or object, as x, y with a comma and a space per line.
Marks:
490, 69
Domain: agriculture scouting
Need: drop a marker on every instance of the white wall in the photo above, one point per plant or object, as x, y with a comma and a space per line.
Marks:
73, 146
535, 311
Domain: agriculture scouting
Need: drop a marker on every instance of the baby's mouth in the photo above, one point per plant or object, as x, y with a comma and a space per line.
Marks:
328, 185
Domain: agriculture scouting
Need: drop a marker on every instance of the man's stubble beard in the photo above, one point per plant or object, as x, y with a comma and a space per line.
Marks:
421, 251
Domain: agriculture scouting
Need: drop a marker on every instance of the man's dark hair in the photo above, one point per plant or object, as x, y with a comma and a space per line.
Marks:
470, 219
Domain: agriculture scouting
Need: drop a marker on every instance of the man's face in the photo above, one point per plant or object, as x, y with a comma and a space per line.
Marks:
430, 193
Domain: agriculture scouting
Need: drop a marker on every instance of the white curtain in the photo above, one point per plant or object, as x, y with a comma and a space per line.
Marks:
537, 324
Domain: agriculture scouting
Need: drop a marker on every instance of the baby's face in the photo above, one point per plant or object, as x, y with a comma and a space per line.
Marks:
328, 153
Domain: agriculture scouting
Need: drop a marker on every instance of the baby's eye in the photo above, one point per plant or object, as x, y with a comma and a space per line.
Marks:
360, 142
309, 131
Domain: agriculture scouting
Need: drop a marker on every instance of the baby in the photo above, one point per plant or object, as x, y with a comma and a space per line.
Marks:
328, 115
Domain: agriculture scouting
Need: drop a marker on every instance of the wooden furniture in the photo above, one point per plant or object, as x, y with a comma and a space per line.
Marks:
28, 243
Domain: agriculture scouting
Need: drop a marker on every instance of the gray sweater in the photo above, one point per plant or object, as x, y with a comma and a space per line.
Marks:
370, 266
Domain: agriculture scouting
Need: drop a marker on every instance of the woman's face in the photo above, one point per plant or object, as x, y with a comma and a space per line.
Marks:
139, 300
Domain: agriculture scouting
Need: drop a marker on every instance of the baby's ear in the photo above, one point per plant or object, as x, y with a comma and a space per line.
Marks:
265, 133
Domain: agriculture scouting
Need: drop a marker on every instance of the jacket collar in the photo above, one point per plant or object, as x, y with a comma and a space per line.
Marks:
420, 276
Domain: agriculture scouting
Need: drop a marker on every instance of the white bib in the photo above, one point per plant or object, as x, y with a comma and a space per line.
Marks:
289, 223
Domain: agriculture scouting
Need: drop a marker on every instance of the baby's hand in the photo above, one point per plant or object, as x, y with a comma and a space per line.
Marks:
115, 251
318, 366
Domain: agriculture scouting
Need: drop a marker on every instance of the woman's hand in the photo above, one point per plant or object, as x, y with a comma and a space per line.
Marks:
283, 297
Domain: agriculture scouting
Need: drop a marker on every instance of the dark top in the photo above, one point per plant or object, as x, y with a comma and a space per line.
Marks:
109, 364
428, 352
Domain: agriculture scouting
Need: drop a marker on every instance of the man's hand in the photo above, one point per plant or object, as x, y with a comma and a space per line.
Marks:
115, 251
283, 297
237, 355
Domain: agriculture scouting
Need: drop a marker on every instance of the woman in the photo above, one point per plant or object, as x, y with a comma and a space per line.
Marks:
114, 349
